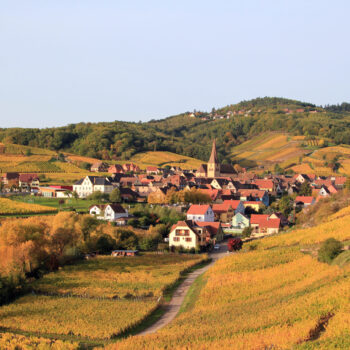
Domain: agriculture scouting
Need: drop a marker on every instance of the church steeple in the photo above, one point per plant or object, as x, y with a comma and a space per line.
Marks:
213, 157
213, 163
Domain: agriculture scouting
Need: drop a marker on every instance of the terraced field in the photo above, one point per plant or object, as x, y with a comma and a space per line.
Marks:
165, 158
268, 149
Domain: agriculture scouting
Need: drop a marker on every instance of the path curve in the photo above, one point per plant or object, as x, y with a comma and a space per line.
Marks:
178, 297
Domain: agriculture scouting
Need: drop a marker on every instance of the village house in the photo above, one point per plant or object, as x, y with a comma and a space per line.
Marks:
194, 235
116, 169
265, 185
304, 201
56, 191
90, 184
109, 212
223, 212
264, 224
10, 179
99, 167
254, 205
254, 195
222, 184
27, 181
240, 222
237, 205
131, 168
152, 170
200, 212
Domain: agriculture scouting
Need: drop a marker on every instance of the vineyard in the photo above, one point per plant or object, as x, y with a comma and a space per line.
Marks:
20, 342
158, 158
271, 296
96, 299
8, 207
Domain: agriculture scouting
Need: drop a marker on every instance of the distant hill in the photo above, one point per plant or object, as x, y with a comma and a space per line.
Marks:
191, 133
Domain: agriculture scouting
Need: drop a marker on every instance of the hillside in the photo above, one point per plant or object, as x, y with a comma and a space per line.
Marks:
190, 134
270, 296
63, 168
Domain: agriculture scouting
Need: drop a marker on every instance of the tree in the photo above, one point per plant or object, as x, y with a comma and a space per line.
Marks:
285, 205
98, 196
330, 249
305, 189
247, 231
126, 239
75, 195
114, 196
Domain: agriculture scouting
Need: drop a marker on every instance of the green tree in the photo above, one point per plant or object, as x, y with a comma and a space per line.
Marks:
114, 196
305, 189
285, 205
330, 249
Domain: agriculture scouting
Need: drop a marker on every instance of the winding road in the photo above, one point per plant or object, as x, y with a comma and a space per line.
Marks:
178, 297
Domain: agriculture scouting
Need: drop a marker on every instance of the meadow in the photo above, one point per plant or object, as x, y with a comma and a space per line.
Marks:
98, 298
80, 205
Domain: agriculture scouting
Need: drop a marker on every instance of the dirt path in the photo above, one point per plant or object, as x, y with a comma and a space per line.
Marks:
178, 297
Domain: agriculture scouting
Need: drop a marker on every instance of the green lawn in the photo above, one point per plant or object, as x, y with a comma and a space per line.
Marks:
80, 205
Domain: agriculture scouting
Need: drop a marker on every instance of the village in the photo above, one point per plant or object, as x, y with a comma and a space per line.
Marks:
222, 202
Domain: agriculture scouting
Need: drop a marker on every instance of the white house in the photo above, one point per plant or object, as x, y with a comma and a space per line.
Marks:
90, 184
200, 212
190, 234
109, 212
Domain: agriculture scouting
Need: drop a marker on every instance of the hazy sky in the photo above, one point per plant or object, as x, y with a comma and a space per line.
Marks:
68, 61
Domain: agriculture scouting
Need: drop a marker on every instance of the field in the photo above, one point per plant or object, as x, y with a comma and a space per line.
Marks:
165, 158
19, 342
80, 205
270, 296
25, 159
268, 149
96, 299
9, 207
319, 161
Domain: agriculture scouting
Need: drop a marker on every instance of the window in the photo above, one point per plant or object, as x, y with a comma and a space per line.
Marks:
176, 239
188, 239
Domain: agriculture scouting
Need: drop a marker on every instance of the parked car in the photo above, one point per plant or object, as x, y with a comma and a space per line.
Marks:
217, 247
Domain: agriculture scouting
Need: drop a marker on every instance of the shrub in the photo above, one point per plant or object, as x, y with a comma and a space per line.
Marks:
330, 249
247, 231
234, 244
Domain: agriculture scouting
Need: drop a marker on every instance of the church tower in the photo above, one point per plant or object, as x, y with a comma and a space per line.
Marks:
213, 163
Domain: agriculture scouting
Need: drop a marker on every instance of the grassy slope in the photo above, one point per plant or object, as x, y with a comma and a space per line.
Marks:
273, 297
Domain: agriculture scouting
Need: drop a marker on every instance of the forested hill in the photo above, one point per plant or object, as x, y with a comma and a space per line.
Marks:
191, 133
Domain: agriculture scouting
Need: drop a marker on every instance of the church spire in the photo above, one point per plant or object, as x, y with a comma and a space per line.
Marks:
213, 157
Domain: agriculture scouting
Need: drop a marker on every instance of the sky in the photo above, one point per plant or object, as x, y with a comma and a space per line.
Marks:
70, 61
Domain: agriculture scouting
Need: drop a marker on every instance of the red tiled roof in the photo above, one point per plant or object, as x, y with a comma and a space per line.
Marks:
234, 203
264, 183
264, 220
221, 208
27, 177
304, 199
212, 227
253, 193
340, 180
198, 209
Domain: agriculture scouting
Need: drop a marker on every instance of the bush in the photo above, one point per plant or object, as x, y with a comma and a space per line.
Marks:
330, 249
234, 244
247, 231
